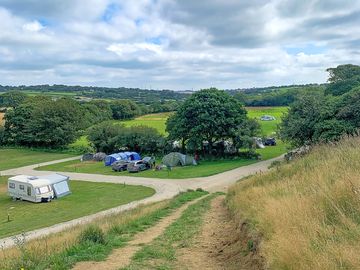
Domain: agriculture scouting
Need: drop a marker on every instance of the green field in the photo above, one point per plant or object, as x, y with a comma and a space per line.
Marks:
26, 216
157, 121
18, 157
267, 127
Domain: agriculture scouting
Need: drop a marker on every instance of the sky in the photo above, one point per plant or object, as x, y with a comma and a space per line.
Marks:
176, 44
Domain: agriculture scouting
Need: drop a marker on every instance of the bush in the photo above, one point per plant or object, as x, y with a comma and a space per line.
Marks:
92, 234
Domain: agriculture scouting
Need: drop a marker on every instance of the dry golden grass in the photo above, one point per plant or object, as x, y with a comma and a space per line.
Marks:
59, 242
308, 211
1, 119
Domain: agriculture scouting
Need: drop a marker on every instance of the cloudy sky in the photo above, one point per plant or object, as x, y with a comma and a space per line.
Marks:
176, 44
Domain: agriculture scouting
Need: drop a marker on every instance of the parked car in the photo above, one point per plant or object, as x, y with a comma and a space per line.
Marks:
270, 141
150, 161
137, 166
119, 166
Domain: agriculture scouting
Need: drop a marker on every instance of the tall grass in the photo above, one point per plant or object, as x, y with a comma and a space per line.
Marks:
308, 211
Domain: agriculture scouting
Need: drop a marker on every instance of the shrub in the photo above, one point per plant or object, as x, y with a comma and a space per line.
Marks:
92, 234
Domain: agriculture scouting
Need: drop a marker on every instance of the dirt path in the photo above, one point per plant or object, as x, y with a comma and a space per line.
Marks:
121, 257
220, 245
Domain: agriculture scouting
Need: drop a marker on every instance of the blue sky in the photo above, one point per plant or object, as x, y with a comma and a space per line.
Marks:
176, 44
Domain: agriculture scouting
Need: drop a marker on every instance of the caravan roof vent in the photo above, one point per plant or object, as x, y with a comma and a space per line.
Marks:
32, 177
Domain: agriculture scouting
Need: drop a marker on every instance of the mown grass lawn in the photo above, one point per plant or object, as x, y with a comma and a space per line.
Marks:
86, 198
157, 121
18, 157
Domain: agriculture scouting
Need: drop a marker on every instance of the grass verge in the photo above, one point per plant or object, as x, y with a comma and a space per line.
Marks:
307, 211
18, 157
161, 253
63, 250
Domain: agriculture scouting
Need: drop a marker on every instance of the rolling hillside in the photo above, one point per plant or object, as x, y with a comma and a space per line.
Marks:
306, 214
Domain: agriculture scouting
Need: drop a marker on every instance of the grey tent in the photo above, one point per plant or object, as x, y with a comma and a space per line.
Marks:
174, 159
100, 156
87, 157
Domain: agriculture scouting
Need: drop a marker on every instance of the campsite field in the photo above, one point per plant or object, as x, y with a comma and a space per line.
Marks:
267, 127
26, 216
205, 168
18, 157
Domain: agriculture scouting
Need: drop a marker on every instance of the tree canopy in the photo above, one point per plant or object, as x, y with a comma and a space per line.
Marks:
323, 117
208, 115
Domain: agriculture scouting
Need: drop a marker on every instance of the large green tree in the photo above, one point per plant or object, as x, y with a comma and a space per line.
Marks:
342, 79
207, 115
12, 99
42, 122
321, 117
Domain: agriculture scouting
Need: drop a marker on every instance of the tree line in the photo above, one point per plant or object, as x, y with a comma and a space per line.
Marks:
327, 115
40, 121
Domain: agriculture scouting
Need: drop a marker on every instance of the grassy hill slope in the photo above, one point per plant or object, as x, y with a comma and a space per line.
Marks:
306, 213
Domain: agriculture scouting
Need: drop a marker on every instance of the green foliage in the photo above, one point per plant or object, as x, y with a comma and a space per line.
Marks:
208, 115
342, 79
124, 109
273, 96
102, 136
108, 137
325, 117
42, 122
12, 99
92, 234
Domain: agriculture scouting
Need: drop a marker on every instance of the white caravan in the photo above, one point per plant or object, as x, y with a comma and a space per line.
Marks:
38, 189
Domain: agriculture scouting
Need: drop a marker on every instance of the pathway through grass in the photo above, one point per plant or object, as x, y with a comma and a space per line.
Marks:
18, 157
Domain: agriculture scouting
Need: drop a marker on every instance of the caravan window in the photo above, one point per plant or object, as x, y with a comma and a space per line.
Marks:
11, 185
22, 187
42, 190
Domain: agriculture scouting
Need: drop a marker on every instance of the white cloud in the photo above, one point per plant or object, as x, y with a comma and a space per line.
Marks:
34, 26
176, 44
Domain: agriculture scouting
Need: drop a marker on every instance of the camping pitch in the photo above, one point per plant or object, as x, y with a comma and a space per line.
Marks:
177, 159
110, 159
38, 189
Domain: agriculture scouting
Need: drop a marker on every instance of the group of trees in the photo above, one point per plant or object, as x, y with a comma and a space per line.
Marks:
41, 121
202, 123
208, 117
274, 96
108, 137
323, 116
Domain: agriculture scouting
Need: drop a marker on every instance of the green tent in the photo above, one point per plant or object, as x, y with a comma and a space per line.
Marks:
174, 159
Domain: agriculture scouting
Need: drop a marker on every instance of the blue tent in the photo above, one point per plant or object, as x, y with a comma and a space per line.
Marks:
110, 159
135, 156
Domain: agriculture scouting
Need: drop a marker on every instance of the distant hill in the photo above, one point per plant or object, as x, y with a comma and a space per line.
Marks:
136, 94
262, 96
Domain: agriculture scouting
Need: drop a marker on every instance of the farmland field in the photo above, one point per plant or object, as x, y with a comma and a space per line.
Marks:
26, 216
13, 157
267, 127
157, 121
